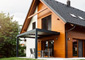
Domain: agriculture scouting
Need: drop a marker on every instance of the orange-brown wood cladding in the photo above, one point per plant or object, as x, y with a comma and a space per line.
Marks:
39, 45
77, 34
40, 7
43, 13
39, 48
59, 44
72, 35
70, 47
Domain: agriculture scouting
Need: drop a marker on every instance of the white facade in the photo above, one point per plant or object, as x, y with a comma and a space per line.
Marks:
30, 42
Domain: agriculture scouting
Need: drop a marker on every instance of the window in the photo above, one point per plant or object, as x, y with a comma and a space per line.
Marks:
81, 18
33, 25
46, 23
73, 15
75, 49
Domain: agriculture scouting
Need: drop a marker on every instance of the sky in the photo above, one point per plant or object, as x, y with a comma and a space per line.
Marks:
19, 8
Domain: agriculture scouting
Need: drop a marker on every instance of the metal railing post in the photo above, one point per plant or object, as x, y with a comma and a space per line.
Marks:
36, 44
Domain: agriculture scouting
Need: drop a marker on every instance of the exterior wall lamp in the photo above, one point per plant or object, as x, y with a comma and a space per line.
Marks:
68, 38
56, 38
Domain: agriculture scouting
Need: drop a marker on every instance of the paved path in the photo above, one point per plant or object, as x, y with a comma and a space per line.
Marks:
51, 58
58, 58
61, 58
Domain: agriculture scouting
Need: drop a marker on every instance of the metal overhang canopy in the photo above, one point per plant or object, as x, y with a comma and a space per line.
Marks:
40, 33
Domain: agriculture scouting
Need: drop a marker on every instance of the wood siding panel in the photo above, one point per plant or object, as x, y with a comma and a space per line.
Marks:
59, 44
56, 25
42, 14
39, 48
70, 47
72, 35
77, 33
39, 23
45, 12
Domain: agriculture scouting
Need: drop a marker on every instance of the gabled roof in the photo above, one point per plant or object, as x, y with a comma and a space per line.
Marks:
68, 14
30, 12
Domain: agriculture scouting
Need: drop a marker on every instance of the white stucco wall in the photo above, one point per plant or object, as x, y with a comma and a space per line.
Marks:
34, 19
30, 43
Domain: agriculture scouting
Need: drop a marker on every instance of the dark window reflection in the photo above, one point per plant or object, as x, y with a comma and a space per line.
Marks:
75, 49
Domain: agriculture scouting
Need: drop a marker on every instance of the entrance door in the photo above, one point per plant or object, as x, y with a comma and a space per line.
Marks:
80, 48
51, 47
48, 46
77, 48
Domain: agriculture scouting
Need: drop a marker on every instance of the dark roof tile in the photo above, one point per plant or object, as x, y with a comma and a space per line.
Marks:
64, 12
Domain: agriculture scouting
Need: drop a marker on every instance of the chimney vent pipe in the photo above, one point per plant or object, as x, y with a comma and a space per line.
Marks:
68, 3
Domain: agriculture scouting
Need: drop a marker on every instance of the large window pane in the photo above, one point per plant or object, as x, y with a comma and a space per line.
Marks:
75, 49
46, 23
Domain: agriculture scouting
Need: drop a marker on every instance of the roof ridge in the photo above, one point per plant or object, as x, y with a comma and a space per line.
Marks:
66, 5
63, 11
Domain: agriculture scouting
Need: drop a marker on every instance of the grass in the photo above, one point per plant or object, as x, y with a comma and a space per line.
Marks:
15, 58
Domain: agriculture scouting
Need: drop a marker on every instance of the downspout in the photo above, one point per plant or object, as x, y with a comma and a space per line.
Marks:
66, 34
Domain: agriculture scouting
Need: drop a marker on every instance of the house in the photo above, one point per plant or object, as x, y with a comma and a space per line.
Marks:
53, 26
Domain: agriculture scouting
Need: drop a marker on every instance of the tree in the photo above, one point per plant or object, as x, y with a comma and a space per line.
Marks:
8, 33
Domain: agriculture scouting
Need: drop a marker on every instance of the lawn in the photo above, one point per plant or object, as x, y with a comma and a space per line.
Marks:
15, 58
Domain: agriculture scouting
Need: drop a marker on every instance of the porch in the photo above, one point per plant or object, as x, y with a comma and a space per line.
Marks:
36, 34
